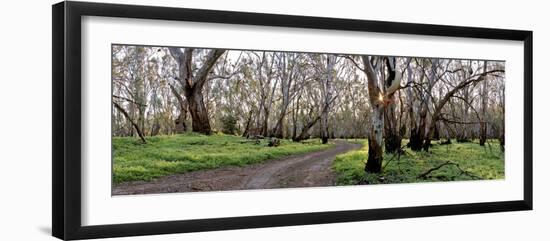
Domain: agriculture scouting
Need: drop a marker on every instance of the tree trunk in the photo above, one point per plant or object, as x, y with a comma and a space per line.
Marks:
278, 131
179, 123
327, 98
391, 128
392, 142
286, 68
247, 127
134, 124
483, 123
305, 130
447, 97
418, 133
192, 84
199, 115
295, 111
375, 134
464, 128
324, 127
415, 136
375, 157
436, 132
392, 136
483, 133
265, 123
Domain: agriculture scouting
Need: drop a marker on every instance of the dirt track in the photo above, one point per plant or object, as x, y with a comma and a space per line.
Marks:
306, 170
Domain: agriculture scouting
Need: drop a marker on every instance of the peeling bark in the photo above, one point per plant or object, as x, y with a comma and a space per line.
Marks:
375, 134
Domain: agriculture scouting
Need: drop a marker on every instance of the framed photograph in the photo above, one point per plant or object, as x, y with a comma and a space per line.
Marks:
171, 120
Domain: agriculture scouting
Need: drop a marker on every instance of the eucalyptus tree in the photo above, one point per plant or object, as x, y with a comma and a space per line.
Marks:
262, 74
392, 75
378, 100
427, 79
129, 75
290, 69
328, 78
327, 93
192, 78
476, 76
311, 107
484, 100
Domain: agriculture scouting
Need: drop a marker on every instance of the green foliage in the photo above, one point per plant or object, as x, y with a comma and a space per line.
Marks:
483, 162
165, 155
229, 124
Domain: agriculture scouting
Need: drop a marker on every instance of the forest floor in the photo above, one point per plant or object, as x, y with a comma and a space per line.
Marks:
301, 170
193, 162
176, 154
453, 162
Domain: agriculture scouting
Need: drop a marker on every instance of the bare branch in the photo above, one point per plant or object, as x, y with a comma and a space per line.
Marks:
129, 100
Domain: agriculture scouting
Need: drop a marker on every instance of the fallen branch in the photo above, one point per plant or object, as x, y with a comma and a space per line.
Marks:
426, 173
462, 171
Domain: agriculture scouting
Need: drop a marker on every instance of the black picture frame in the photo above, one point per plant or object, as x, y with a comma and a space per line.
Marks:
66, 127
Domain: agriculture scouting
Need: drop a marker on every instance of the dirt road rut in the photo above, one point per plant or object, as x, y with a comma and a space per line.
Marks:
305, 170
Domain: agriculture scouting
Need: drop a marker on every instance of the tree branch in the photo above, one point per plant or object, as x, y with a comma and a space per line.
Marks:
462, 171
129, 100
134, 124
372, 80
202, 73
184, 60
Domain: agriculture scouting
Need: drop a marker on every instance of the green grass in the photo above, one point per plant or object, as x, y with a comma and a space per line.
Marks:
165, 155
484, 163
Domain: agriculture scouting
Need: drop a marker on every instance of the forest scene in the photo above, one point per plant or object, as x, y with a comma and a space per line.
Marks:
197, 119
